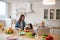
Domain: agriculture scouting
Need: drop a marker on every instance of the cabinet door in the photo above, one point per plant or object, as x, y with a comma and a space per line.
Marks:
51, 13
45, 13
56, 31
57, 13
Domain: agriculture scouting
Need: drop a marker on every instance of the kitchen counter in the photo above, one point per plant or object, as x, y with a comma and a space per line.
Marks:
54, 27
3, 36
54, 30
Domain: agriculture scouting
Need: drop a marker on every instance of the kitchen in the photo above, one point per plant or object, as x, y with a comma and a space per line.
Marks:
34, 13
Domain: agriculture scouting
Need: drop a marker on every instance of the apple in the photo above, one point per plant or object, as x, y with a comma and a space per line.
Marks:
27, 30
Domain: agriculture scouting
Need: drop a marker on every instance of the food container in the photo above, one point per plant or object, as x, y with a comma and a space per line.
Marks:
12, 38
22, 33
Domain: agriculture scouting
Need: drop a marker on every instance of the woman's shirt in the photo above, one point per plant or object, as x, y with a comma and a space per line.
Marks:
21, 25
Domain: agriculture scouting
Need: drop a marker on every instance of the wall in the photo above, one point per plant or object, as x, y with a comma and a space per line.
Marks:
38, 13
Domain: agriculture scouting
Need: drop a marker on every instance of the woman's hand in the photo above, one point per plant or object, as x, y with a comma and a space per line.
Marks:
17, 28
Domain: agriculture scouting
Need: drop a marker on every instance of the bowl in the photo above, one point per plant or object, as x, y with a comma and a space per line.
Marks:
22, 33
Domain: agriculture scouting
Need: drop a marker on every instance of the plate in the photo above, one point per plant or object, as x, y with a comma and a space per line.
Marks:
22, 33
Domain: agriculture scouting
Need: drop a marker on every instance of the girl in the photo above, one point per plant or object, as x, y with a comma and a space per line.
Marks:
29, 28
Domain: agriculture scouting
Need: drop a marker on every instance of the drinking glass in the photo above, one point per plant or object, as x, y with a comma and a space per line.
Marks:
36, 31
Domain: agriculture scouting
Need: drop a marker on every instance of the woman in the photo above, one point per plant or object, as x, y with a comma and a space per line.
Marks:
21, 23
42, 26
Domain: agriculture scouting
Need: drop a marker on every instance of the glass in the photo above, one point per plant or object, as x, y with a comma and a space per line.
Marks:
43, 38
1, 27
45, 13
36, 35
17, 31
51, 13
58, 14
0, 30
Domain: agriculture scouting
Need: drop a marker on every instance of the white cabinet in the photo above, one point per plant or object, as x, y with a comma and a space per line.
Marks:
55, 31
52, 14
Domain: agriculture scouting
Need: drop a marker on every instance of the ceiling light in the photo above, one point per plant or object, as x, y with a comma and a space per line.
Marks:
48, 2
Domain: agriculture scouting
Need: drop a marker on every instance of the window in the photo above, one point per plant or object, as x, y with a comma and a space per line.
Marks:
3, 9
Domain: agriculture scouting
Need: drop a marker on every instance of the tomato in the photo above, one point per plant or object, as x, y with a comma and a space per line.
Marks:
49, 37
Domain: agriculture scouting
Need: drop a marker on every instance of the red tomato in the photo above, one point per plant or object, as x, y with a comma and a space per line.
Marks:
49, 37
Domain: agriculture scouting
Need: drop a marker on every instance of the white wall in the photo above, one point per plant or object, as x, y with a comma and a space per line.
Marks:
38, 13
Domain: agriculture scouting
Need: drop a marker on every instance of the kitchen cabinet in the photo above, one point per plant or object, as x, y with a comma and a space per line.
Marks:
53, 14
55, 30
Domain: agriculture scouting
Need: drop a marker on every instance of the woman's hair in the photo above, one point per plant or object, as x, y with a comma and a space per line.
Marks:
31, 26
20, 19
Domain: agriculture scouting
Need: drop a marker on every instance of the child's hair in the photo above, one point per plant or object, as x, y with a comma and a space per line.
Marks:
31, 26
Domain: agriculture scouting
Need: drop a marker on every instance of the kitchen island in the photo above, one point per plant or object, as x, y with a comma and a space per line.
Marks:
4, 36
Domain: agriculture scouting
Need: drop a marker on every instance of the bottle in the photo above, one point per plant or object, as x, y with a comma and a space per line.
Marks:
13, 25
